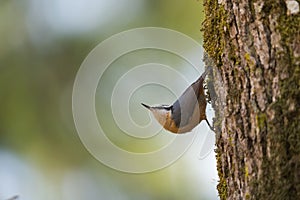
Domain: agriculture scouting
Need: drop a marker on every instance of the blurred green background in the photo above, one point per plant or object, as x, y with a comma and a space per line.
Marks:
42, 44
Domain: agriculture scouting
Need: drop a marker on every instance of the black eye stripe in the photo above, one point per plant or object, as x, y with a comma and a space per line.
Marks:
165, 107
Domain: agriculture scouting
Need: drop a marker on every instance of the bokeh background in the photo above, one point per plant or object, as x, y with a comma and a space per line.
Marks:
42, 44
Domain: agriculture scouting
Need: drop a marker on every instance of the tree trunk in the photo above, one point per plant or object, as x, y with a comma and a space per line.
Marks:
255, 48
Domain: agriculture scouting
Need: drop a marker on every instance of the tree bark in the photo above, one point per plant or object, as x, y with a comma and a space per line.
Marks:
255, 49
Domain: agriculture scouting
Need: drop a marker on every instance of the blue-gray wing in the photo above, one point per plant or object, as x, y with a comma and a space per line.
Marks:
183, 108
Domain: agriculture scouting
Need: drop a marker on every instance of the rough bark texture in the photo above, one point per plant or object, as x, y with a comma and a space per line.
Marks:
255, 47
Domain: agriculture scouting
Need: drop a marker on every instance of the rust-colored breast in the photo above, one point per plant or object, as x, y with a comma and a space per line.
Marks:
170, 124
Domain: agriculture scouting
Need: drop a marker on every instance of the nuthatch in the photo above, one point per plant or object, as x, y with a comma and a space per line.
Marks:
186, 112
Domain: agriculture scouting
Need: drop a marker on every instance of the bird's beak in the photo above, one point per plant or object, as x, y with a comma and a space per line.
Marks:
146, 106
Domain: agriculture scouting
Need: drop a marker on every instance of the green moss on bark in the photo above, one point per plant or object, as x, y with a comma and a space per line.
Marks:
213, 27
222, 186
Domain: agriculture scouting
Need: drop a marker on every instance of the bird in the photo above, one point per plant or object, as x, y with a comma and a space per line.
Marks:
186, 112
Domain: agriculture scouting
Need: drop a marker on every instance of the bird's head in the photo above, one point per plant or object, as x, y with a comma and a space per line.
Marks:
161, 113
